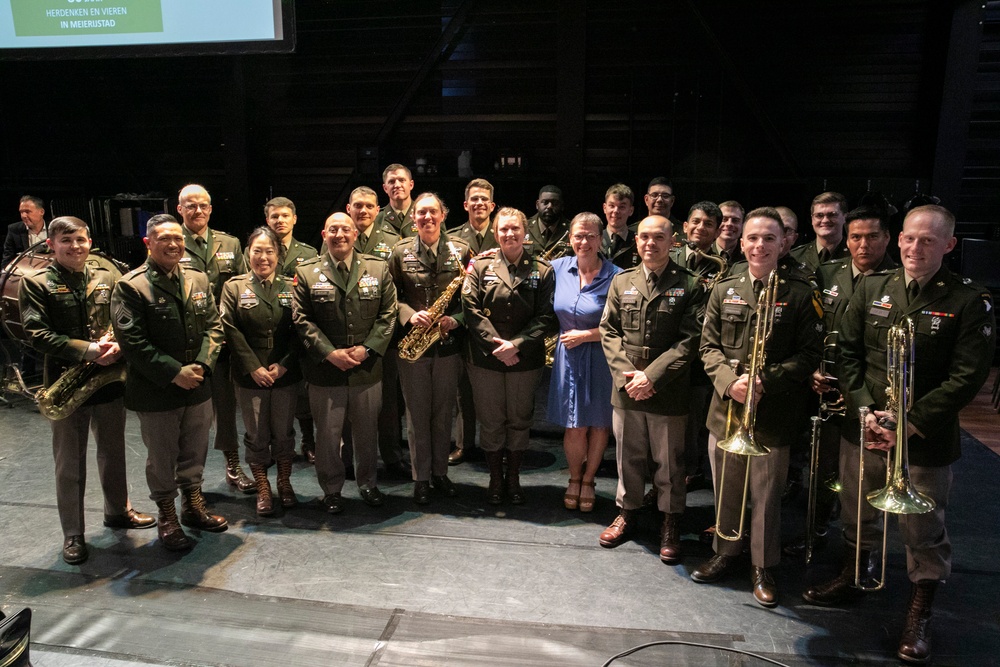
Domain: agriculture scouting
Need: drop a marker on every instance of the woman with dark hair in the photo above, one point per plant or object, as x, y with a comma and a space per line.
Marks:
580, 391
256, 310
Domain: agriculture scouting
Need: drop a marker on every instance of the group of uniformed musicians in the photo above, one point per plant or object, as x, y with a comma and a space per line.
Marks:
284, 331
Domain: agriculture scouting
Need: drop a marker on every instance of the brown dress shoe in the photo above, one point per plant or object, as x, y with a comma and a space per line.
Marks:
765, 591
713, 569
456, 457
834, 592
74, 550
171, 534
619, 531
915, 642
670, 539
131, 519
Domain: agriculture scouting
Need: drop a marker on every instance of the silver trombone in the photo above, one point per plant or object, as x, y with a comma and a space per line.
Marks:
742, 441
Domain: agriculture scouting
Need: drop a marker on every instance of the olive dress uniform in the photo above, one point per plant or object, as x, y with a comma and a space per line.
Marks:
220, 256
540, 239
954, 326
163, 324
332, 311
685, 257
479, 242
379, 243
654, 329
622, 252
63, 312
257, 320
792, 353
402, 225
512, 302
296, 253
810, 254
431, 382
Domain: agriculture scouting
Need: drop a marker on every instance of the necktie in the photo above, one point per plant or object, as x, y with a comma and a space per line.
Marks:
342, 269
651, 280
912, 290
824, 256
758, 286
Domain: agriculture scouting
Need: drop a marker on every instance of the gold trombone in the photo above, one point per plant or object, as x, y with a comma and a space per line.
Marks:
898, 495
742, 442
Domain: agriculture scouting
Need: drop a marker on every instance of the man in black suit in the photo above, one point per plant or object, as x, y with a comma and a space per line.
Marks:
29, 231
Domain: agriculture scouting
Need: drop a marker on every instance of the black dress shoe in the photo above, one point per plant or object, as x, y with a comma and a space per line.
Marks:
456, 457
309, 455
372, 497
333, 503
765, 591
834, 592
398, 470
797, 547
713, 569
422, 493
444, 485
74, 550
130, 519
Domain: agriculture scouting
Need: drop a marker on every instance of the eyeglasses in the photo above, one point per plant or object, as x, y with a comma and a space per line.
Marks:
191, 208
584, 237
665, 196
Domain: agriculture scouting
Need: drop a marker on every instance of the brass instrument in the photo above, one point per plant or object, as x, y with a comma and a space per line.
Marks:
830, 403
559, 249
420, 338
898, 495
75, 386
718, 260
742, 441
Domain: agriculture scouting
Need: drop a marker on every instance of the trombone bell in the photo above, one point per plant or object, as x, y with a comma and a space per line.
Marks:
742, 442
900, 497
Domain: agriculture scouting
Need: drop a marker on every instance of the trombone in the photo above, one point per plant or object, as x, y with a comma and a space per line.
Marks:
830, 404
742, 442
898, 495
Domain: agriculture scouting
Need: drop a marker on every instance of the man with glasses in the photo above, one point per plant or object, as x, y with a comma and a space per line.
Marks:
828, 211
660, 198
219, 255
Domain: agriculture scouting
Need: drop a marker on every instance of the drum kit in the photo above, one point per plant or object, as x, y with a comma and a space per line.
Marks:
17, 380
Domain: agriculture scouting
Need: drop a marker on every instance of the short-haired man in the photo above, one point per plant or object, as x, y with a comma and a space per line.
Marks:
27, 232
779, 388
618, 239
955, 335
660, 198
280, 216
168, 327
650, 331
828, 211
868, 242
790, 222
397, 182
477, 230
548, 228
727, 245
700, 231
378, 241
220, 257
344, 309
66, 310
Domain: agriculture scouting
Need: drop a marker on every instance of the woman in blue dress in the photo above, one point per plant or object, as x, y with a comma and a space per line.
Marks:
580, 391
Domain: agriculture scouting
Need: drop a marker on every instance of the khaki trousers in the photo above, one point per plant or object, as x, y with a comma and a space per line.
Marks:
69, 449
505, 406
176, 445
224, 404
268, 417
429, 387
331, 406
640, 436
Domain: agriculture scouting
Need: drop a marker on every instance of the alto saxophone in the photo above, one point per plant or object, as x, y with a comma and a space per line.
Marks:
420, 338
75, 386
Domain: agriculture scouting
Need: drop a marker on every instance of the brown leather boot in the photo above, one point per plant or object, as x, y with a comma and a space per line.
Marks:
513, 482
494, 496
285, 491
670, 539
172, 536
235, 476
194, 513
265, 502
915, 642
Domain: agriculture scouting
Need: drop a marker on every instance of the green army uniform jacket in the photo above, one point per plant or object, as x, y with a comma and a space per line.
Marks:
402, 225
538, 243
471, 236
379, 243
162, 326
330, 314
623, 253
808, 255
63, 312
836, 283
420, 280
792, 353
955, 334
513, 306
257, 321
655, 331
220, 257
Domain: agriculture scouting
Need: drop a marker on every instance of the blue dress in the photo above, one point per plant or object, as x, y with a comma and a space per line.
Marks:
580, 390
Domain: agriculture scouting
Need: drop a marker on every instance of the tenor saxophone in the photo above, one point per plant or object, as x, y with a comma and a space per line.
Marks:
75, 386
420, 338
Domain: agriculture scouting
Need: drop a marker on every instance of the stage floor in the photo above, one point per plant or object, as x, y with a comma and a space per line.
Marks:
456, 583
